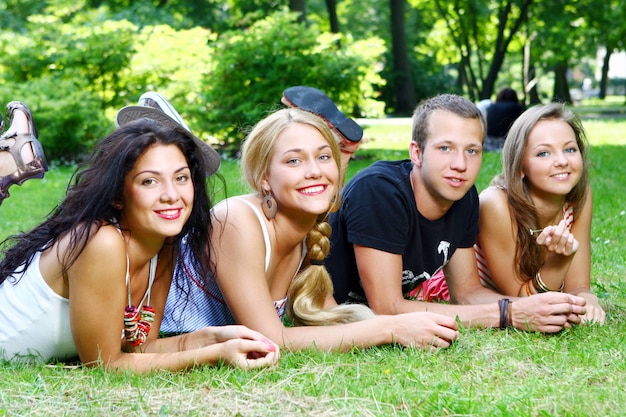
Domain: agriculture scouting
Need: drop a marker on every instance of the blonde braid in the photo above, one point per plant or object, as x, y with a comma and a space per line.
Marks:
312, 287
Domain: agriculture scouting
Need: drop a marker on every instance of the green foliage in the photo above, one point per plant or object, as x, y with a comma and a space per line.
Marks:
179, 14
429, 78
67, 77
14, 13
251, 69
224, 63
172, 62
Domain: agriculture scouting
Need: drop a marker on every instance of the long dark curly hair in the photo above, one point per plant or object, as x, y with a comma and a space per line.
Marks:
96, 184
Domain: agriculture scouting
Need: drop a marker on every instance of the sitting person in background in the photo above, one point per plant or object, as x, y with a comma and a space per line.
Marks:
535, 217
500, 116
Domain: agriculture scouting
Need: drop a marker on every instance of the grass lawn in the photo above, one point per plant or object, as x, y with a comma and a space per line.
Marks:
579, 372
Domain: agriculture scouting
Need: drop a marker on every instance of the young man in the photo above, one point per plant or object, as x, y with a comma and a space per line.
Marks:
401, 222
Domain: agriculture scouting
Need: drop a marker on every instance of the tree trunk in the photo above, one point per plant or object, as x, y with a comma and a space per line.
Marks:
605, 72
331, 5
298, 6
403, 80
533, 91
502, 42
561, 87
529, 75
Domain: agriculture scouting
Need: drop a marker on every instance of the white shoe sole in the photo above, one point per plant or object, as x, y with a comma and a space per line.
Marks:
163, 105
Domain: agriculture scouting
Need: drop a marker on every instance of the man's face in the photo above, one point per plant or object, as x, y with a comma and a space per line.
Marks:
448, 165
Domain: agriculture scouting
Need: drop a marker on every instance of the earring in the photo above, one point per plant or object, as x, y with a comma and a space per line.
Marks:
117, 205
269, 206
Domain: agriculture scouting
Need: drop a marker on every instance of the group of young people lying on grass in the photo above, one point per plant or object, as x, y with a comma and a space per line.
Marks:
137, 269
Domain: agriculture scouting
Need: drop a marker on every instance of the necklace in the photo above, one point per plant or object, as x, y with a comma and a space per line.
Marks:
138, 320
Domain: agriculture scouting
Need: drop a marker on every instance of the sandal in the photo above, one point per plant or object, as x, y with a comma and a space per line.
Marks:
315, 101
21, 154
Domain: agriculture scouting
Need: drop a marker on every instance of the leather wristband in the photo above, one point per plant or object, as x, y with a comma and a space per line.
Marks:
503, 303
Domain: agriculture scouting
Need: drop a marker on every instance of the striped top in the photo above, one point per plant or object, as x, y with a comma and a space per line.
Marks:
194, 302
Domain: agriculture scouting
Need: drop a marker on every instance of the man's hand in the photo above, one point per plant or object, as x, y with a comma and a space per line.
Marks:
549, 312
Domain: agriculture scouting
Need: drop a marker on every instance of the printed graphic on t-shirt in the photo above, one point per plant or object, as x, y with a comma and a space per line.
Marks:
443, 247
410, 281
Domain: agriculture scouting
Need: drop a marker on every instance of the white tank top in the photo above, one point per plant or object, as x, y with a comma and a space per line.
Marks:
34, 320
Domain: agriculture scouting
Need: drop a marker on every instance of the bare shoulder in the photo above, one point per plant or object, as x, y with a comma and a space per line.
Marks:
105, 247
492, 193
107, 238
237, 238
103, 238
494, 201
235, 212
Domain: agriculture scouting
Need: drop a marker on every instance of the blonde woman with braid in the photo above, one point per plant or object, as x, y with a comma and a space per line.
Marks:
268, 250
535, 218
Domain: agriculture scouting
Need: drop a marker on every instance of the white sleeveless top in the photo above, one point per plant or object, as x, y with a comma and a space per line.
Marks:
34, 320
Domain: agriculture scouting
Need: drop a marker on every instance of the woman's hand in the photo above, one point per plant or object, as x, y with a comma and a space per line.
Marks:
595, 313
249, 354
225, 333
424, 330
220, 334
558, 239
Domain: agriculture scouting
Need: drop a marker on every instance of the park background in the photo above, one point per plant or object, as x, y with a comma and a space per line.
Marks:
224, 65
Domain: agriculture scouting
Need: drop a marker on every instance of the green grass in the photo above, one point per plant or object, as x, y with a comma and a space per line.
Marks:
579, 372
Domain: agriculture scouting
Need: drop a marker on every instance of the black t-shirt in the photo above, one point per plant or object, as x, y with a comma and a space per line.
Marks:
378, 211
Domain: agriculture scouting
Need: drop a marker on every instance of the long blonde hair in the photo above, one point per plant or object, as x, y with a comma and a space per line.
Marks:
312, 286
528, 255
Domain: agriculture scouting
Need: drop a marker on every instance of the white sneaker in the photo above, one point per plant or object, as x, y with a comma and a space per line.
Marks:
156, 100
155, 107
151, 100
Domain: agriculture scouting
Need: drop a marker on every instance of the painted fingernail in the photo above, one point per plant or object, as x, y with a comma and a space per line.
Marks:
270, 346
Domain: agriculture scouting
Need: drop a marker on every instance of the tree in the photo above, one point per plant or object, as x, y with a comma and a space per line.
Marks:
331, 5
298, 6
561, 28
603, 15
481, 38
402, 77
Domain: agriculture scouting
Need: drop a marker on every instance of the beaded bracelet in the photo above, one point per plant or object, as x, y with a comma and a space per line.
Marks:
503, 303
542, 287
